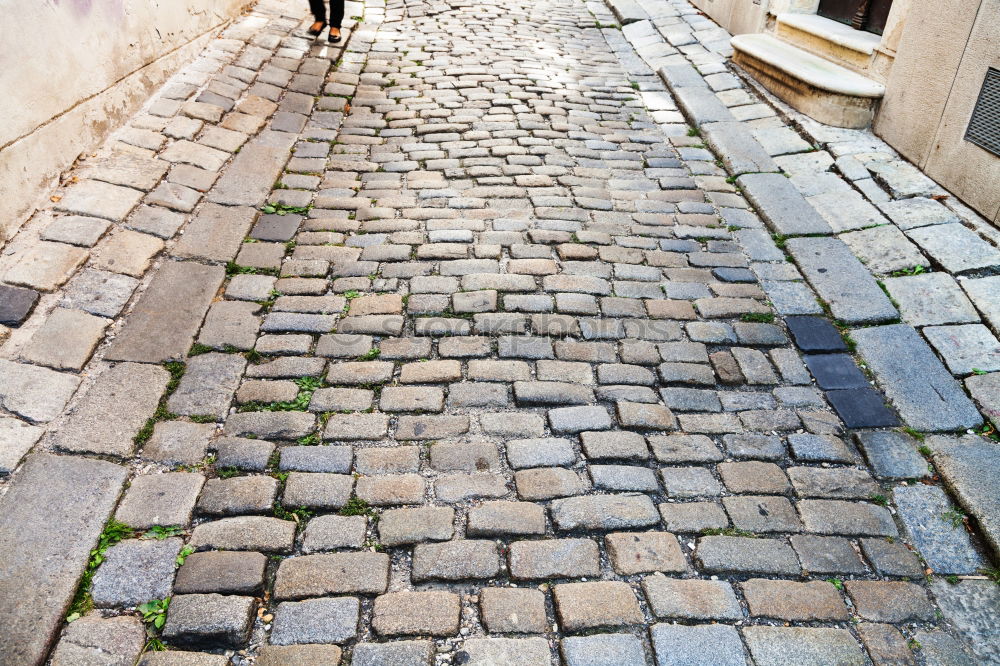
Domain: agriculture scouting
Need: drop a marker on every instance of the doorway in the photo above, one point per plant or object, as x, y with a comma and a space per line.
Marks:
867, 15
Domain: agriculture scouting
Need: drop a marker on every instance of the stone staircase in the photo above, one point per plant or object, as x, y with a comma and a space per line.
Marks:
821, 67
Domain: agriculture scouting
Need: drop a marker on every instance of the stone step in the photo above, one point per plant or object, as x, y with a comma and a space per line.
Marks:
50, 519
821, 89
923, 391
828, 39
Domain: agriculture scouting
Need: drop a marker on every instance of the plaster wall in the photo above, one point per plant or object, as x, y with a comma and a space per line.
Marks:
72, 70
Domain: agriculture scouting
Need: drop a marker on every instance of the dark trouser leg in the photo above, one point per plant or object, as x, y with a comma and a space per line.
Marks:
318, 8
336, 13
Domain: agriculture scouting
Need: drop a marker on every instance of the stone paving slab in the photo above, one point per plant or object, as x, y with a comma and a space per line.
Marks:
256, 168
99, 199
937, 530
54, 550
957, 248
970, 606
111, 412
926, 395
164, 321
985, 293
970, 465
216, 233
16, 304
780, 204
841, 280
739, 151
34, 393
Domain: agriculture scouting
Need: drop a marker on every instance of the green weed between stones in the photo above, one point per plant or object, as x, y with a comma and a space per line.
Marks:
728, 531
913, 270
232, 268
160, 532
758, 317
312, 439
197, 349
154, 616
176, 370
183, 555
358, 507
992, 573
307, 386
989, 431
954, 517
154, 613
370, 355
114, 532
299, 515
279, 208
881, 500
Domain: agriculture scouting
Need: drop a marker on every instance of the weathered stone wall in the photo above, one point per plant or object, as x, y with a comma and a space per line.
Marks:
72, 70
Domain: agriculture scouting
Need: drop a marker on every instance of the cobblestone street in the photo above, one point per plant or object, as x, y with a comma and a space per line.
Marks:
466, 341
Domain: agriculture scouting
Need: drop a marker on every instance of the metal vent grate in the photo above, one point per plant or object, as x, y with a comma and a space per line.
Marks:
984, 126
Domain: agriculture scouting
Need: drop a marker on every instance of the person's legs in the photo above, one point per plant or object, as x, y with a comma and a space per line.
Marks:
336, 13
318, 8
336, 18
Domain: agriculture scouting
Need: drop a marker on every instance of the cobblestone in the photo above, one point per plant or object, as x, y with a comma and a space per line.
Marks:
502, 367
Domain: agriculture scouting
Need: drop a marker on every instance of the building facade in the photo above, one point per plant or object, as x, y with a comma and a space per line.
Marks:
924, 74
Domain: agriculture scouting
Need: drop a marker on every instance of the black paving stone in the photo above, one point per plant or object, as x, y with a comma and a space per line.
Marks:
815, 334
835, 371
16, 304
862, 408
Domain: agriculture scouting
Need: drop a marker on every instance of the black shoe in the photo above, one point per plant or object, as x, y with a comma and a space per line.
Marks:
315, 33
333, 39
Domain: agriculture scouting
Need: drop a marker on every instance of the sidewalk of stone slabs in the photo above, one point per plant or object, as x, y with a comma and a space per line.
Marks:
61, 476
909, 273
219, 132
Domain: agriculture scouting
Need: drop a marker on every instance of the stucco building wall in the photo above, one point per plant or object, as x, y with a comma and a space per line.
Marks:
72, 70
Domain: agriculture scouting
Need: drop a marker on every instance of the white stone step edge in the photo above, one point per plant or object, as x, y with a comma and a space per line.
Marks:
832, 31
807, 67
